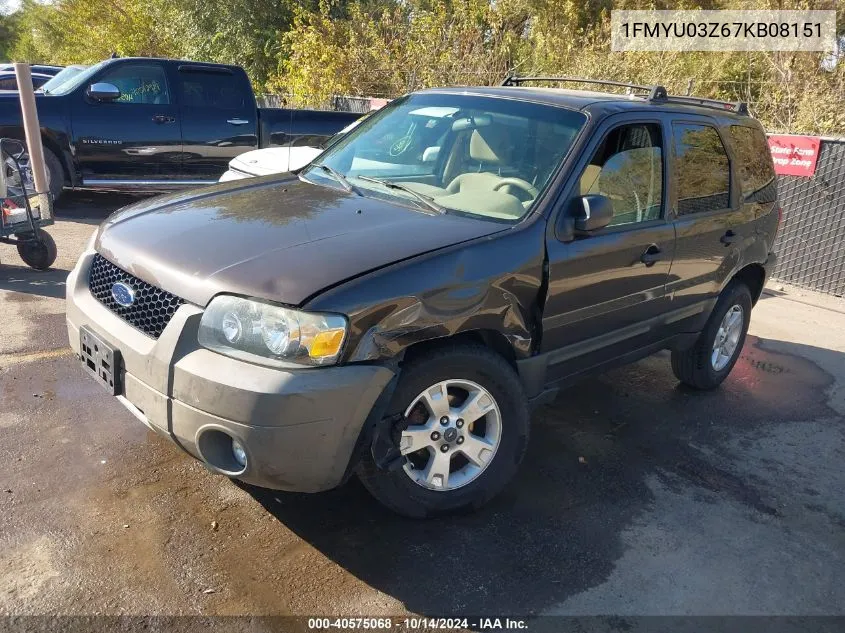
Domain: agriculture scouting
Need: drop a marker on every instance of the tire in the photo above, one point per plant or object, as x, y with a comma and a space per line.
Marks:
699, 367
12, 178
38, 253
474, 484
55, 174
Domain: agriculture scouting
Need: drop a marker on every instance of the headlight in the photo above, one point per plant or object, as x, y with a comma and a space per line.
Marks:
261, 332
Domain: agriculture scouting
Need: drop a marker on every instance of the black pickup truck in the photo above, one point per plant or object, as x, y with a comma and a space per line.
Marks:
143, 124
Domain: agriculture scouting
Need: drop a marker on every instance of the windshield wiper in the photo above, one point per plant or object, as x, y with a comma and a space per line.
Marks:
339, 177
426, 200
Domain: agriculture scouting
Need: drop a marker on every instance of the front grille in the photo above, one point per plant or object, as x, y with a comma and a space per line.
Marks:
152, 308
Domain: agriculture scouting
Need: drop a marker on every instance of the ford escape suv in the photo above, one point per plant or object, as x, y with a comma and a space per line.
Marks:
395, 308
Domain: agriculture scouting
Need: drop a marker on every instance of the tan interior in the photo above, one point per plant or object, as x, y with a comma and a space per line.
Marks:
489, 146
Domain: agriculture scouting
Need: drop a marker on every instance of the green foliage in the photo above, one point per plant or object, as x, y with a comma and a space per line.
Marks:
8, 27
246, 32
86, 31
314, 49
393, 47
420, 43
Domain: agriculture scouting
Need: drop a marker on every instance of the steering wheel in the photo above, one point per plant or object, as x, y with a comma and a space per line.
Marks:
526, 186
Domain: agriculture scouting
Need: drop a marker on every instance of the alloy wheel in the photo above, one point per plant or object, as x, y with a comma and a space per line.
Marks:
454, 430
727, 338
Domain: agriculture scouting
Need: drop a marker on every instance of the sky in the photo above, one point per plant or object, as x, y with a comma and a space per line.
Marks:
7, 6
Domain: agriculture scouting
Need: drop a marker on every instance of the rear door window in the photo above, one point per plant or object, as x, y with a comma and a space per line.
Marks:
754, 160
218, 90
702, 169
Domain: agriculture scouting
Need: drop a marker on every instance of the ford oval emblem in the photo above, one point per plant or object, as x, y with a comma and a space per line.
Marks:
123, 294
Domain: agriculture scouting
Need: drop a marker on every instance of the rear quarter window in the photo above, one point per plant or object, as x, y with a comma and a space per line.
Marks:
754, 162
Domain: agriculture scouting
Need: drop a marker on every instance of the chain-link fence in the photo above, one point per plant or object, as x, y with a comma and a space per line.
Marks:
811, 242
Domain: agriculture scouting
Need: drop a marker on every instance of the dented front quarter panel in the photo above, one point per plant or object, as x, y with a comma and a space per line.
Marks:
492, 283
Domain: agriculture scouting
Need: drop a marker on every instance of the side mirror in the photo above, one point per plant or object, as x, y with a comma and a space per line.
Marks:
430, 154
103, 92
591, 212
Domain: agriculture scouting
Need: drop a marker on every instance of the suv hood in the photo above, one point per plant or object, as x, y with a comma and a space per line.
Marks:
278, 239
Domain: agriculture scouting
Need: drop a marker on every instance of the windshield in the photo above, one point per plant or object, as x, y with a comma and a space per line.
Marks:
75, 81
484, 156
60, 78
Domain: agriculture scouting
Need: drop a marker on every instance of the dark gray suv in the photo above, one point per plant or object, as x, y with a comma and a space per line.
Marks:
396, 307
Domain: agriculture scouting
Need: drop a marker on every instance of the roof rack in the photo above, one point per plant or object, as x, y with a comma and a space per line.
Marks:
740, 107
515, 80
655, 93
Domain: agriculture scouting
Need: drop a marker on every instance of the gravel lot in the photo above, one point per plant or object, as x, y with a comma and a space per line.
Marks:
637, 496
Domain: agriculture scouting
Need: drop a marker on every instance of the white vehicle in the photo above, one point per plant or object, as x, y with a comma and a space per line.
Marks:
271, 160
276, 160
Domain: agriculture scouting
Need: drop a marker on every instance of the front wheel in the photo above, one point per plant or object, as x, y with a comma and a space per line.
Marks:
467, 430
39, 252
707, 363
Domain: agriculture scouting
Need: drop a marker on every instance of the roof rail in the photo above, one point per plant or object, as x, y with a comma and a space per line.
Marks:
515, 80
740, 107
655, 93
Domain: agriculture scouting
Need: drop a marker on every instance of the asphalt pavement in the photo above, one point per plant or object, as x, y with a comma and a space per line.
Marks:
637, 496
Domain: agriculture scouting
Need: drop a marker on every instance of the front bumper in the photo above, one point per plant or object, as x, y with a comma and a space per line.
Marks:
299, 427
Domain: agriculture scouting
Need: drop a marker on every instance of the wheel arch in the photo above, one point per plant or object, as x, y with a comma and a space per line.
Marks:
52, 145
492, 339
49, 142
753, 276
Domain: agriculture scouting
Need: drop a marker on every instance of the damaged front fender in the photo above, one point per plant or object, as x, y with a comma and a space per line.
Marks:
492, 284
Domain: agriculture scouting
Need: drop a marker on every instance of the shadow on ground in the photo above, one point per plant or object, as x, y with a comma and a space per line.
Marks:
81, 207
556, 531
92, 207
28, 282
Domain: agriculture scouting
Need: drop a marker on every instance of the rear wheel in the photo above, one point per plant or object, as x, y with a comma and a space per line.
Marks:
467, 432
707, 363
38, 253
55, 174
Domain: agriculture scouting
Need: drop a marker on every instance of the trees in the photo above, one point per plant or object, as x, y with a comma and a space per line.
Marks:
86, 31
389, 48
7, 30
244, 32
312, 49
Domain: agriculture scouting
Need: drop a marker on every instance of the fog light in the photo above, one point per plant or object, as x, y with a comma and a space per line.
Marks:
239, 453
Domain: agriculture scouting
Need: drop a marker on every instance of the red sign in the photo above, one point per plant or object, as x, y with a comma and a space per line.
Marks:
794, 155
376, 104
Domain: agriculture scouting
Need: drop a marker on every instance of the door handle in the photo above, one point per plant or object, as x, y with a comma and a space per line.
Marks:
652, 255
163, 118
729, 238
237, 121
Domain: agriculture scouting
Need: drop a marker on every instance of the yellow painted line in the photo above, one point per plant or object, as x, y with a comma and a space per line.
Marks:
28, 357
